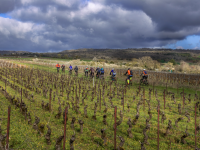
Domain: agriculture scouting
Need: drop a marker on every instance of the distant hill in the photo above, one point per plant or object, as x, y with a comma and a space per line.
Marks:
5, 52
161, 55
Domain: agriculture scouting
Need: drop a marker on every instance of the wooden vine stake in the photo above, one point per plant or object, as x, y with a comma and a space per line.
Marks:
183, 98
62, 89
100, 99
123, 101
110, 88
153, 88
5, 85
115, 131
8, 128
65, 128
196, 125
21, 99
50, 100
164, 99
158, 129
144, 99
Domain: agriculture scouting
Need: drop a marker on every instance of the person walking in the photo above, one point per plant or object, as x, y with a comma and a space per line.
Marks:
58, 67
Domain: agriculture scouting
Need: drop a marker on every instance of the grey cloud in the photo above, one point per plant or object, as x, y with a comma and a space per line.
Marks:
59, 25
169, 15
108, 27
8, 5
59, 4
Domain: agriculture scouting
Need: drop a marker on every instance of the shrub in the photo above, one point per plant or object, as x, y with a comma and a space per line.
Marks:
135, 62
101, 60
65, 56
184, 66
172, 61
127, 64
58, 55
169, 65
178, 68
156, 64
92, 64
148, 63
95, 59
77, 57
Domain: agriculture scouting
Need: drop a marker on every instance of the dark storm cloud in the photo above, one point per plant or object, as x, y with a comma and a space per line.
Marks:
54, 25
169, 15
8, 5
44, 5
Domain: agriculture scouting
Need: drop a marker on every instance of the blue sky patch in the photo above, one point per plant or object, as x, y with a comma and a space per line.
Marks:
5, 16
190, 42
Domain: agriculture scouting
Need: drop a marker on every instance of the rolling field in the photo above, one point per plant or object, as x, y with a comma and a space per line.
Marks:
37, 122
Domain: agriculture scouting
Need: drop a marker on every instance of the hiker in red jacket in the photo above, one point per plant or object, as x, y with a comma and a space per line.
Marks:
58, 67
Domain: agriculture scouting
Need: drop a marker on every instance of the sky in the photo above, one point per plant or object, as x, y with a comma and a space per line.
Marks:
56, 25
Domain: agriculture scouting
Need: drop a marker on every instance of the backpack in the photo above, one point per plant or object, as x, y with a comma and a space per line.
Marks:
92, 70
102, 71
114, 73
86, 69
131, 72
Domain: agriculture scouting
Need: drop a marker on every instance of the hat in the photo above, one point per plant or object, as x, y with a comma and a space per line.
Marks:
143, 69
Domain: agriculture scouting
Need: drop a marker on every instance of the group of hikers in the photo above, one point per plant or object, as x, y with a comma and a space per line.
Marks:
70, 68
100, 72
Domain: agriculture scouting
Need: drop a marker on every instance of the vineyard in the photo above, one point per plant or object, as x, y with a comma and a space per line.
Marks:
42, 109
